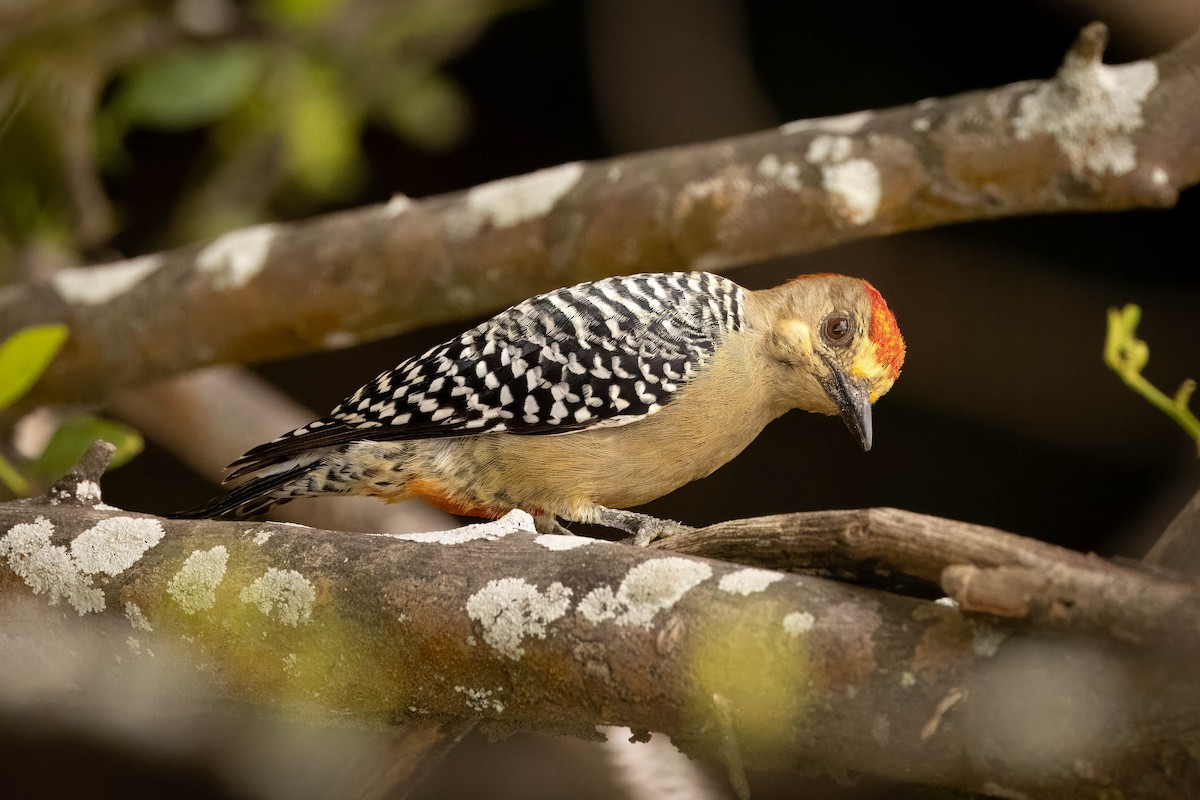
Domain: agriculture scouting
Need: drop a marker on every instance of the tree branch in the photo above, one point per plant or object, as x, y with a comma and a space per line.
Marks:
757, 667
983, 569
1092, 138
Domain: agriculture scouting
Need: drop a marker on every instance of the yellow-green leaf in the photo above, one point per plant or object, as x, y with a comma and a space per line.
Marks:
302, 12
76, 435
24, 356
320, 131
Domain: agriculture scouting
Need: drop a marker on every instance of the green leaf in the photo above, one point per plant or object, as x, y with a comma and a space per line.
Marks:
24, 356
13, 480
191, 88
320, 132
75, 436
427, 110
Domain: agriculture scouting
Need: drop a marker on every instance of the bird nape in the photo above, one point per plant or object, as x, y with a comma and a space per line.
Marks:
587, 400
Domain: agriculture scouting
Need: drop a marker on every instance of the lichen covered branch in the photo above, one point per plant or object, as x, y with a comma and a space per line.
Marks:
983, 569
759, 667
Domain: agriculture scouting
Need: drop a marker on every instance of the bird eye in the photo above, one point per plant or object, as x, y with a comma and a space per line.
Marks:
837, 329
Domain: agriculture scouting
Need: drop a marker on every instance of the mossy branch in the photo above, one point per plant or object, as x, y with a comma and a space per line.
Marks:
1128, 355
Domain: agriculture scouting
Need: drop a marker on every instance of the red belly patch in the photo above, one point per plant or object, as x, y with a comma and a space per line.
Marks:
436, 495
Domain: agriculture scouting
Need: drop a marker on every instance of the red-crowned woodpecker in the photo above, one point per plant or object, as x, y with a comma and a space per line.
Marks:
589, 399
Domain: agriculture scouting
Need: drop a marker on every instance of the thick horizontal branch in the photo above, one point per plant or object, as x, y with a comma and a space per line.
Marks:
561, 634
983, 569
1092, 138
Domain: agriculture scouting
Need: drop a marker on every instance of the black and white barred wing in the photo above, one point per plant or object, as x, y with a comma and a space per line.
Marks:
601, 353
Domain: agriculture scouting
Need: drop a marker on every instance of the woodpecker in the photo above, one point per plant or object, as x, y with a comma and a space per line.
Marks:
587, 400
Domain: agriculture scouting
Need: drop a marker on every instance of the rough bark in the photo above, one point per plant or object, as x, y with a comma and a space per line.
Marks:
757, 667
1092, 138
983, 569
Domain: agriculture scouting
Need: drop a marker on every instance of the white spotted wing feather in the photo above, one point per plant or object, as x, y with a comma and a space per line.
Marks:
601, 353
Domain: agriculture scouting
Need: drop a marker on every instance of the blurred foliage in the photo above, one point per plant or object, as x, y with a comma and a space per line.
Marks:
279, 90
24, 357
1128, 355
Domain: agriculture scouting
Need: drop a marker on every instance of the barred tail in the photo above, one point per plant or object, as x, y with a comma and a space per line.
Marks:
253, 498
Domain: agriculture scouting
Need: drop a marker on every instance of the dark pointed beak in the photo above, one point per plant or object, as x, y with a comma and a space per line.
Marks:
853, 400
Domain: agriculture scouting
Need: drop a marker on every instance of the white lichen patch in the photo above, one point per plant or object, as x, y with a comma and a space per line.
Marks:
1091, 110
48, 568
556, 541
284, 594
704, 189
511, 201
843, 123
748, 581
1159, 177
261, 536
908, 679
798, 623
785, 173
235, 258
946, 602
91, 286
133, 613
481, 700
854, 185
648, 588
291, 664
194, 586
513, 521
511, 610
855, 189
397, 205
829, 149
88, 491
115, 544
922, 124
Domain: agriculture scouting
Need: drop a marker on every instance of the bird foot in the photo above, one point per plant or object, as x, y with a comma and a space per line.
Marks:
643, 528
547, 523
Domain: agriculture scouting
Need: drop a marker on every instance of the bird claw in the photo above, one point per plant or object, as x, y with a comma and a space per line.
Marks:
654, 529
643, 528
549, 524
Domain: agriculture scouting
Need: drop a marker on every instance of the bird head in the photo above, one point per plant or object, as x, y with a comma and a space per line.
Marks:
839, 346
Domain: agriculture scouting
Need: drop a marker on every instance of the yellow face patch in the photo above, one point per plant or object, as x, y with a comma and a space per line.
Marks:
867, 366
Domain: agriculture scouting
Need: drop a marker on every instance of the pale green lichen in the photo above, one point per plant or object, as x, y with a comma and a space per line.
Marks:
748, 581
284, 594
798, 623
647, 589
511, 610
48, 568
194, 586
115, 544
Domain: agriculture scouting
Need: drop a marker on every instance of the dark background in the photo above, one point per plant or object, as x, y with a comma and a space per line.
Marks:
1005, 414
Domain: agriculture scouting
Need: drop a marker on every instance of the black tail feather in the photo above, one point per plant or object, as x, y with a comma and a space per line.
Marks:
253, 498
